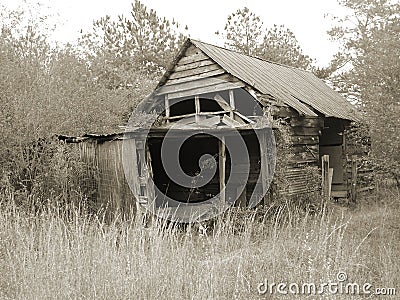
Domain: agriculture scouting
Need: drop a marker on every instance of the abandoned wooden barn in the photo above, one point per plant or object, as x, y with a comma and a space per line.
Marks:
217, 92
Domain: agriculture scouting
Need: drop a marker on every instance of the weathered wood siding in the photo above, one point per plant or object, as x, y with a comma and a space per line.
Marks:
89, 182
113, 193
303, 151
195, 74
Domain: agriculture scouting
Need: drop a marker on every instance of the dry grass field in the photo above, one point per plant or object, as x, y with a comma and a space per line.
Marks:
54, 255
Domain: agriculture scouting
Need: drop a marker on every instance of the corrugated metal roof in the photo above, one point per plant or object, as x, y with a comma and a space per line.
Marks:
297, 88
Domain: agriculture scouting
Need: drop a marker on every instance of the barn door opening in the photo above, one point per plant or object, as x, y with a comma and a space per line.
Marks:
331, 143
191, 152
190, 159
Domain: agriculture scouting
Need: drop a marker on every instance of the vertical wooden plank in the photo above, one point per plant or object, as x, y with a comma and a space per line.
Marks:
150, 183
222, 160
141, 165
354, 178
344, 162
145, 192
264, 165
197, 106
102, 166
115, 188
325, 176
231, 102
132, 168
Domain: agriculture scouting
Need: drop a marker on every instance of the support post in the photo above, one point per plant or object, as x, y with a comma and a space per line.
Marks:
221, 163
197, 107
330, 178
231, 102
353, 178
146, 193
325, 176
167, 111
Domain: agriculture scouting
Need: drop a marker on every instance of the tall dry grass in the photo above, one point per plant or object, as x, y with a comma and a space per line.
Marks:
69, 254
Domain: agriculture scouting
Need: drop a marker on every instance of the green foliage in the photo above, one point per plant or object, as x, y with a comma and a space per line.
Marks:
44, 91
370, 39
311, 200
280, 45
356, 31
131, 50
40, 84
379, 82
244, 32
47, 90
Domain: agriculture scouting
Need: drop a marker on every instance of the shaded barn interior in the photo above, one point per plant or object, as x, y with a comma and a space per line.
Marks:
190, 159
191, 152
210, 91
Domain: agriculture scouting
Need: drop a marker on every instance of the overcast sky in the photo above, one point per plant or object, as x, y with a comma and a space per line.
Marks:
306, 18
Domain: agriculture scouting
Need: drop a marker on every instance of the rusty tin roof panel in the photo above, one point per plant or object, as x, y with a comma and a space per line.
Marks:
297, 88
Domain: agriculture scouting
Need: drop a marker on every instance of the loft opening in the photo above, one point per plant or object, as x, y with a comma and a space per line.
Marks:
238, 99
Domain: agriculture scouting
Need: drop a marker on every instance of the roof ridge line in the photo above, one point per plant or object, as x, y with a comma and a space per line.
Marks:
251, 56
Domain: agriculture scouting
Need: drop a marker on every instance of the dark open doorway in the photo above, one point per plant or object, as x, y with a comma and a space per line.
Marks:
190, 159
332, 144
189, 156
